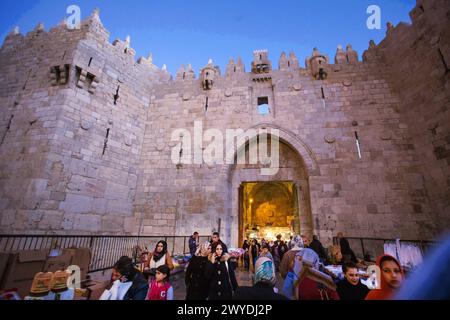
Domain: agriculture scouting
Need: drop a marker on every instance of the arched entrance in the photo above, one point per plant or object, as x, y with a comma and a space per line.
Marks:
281, 202
267, 209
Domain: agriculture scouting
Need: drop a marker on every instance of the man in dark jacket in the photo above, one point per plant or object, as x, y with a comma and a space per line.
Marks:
318, 248
216, 239
347, 253
193, 242
264, 281
351, 288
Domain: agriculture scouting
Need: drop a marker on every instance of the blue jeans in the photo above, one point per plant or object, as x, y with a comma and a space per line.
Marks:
288, 285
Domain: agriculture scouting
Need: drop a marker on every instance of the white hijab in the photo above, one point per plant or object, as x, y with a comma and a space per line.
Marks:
117, 291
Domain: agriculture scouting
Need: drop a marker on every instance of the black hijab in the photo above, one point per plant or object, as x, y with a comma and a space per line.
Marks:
158, 255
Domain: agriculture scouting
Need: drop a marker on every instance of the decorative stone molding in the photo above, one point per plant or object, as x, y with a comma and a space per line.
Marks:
85, 125
347, 83
228, 93
59, 75
186, 96
127, 141
160, 146
386, 135
87, 79
330, 139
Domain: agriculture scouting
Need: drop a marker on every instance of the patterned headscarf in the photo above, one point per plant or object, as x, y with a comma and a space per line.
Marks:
297, 242
202, 249
264, 271
309, 257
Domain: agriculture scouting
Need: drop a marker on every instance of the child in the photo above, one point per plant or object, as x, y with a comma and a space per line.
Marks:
160, 288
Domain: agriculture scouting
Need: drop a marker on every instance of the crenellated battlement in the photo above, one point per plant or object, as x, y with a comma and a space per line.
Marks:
93, 29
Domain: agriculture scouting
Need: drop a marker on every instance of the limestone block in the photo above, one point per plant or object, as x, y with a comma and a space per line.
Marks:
76, 204
51, 220
87, 222
119, 207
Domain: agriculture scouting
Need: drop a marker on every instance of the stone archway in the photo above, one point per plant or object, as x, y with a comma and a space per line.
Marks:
297, 164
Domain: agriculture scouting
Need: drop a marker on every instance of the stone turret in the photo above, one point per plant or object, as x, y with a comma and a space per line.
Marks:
147, 61
208, 75
261, 62
293, 61
240, 67
352, 55
15, 31
125, 46
372, 53
185, 73
190, 74
389, 28
349, 56
234, 69
283, 63
340, 56
317, 64
40, 27
181, 73
12, 37
231, 69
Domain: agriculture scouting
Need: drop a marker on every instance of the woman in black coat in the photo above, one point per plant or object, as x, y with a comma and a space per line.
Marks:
197, 287
220, 275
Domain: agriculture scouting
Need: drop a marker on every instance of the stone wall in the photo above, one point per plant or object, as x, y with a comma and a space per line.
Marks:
69, 158
418, 58
90, 145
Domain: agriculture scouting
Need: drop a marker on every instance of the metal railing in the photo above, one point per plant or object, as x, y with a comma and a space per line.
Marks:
105, 250
374, 247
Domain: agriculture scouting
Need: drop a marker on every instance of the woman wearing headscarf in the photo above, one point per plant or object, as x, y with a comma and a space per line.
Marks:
128, 283
286, 266
197, 286
220, 274
159, 257
311, 283
265, 253
246, 257
391, 278
254, 253
263, 283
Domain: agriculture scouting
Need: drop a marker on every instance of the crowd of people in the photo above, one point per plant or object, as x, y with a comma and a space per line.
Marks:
211, 273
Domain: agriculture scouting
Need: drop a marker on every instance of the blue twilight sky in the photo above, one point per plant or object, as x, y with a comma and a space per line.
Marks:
192, 31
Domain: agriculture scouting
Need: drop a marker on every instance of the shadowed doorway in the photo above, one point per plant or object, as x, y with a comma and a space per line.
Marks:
268, 209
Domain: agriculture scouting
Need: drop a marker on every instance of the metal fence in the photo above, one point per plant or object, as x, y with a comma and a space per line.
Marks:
105, 250
372, 248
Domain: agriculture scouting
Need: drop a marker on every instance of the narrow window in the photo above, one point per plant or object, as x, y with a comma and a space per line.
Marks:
263, 106
105, 145
443, 61
7, 129
116, 96
358, 146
